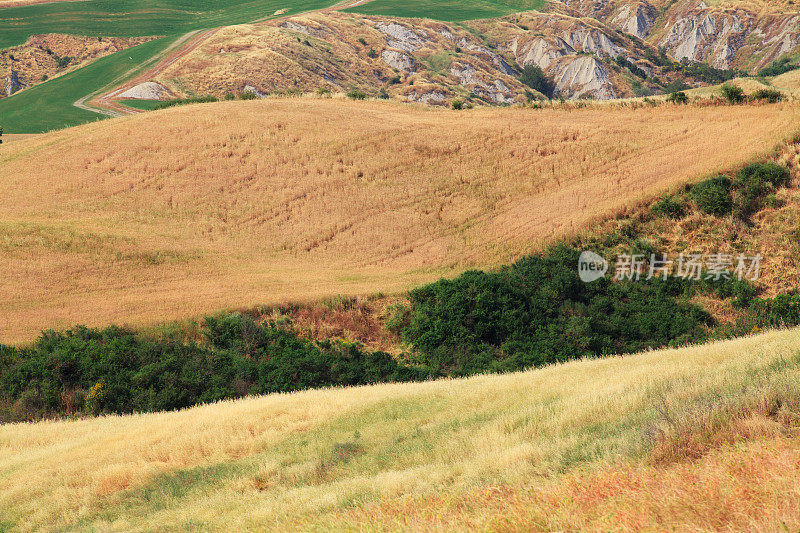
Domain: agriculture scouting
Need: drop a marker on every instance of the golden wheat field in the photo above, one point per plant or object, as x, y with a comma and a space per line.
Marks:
696, 438
179, 212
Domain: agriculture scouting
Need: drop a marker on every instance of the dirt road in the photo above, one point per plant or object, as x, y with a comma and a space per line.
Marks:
108, 104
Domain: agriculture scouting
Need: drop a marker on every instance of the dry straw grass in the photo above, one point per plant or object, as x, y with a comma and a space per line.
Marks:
175, 213
554, 448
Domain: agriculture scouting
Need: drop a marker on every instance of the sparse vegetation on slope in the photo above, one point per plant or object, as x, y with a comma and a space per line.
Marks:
237, 204
50, 105
577, 443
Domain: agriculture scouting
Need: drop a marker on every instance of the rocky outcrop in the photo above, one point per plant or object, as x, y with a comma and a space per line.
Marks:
13, 83
636, 19
584, 76
398, 60
733, 38
148, 90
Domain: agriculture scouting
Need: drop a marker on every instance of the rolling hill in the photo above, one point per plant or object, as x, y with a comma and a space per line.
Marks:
697, 439
175, 213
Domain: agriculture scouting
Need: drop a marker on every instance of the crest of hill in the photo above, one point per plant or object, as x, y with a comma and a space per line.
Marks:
179, 212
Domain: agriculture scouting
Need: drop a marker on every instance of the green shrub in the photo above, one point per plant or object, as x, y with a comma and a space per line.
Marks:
187, 101
678, 97
356, 95
668, 206
538, 311
372, 53
457, 104
732, 93
755, 182
768, 95
534, 77
777, 68
114, 370
713, 196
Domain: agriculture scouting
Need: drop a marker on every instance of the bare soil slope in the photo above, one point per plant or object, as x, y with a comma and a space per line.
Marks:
184, 211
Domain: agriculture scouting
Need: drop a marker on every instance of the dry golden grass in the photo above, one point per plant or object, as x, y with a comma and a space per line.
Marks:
175, 213
564, 447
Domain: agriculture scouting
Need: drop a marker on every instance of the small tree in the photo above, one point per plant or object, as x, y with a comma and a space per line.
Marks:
713, 196
534, 77
678, 97
733, 93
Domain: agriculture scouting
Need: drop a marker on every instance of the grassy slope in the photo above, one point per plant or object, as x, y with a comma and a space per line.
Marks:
448, 10
557, 448
49, 106
144, 105
129, 18
179, 212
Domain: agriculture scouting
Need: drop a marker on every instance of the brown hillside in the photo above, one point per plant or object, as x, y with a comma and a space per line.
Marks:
190, 210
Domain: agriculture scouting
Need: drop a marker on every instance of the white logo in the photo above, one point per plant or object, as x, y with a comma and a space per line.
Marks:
591, 267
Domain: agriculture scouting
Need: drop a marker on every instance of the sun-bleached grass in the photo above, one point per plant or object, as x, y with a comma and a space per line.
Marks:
175, 213
351, 458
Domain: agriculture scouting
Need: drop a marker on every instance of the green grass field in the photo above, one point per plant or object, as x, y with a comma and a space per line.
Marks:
132, 18
447, 10
50, 106
143, 105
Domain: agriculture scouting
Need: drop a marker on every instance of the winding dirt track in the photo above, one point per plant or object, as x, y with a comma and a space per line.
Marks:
108, 103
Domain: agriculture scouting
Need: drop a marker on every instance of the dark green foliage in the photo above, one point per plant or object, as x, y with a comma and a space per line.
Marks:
62, 62
777, 68
755, 182
356, 95
533, 76
362, 41
187, 101
779, 312
668, 206
768, 95
678, 98
372, 53
538, 311
457, 104
141, 374
394, 80
713, 196
732, 93
632, 67
676, 86
248, 95
704, 72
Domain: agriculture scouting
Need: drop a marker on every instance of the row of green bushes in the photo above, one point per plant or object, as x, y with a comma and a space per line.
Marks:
753, 188
529, 314
244, 95
116, 370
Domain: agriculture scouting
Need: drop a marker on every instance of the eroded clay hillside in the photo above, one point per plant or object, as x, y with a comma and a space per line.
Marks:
422, 60
598, 50
727, 35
